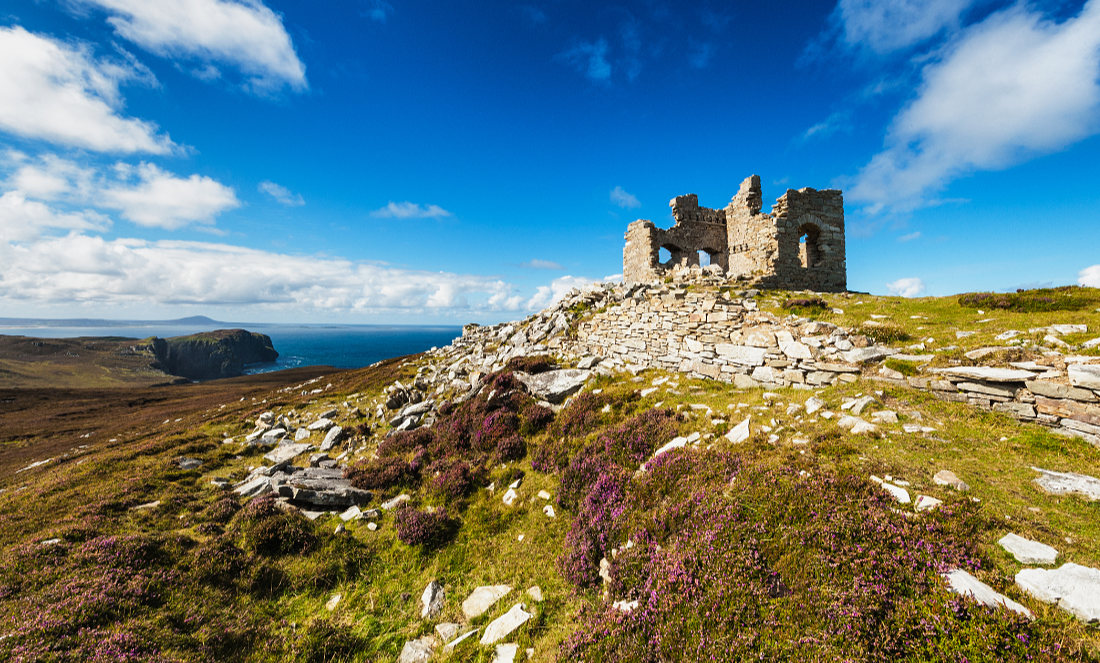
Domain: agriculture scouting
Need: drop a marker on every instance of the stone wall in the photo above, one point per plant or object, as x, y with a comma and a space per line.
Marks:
743, 242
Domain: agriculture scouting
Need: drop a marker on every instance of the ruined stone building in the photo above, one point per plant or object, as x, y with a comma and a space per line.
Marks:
798, 246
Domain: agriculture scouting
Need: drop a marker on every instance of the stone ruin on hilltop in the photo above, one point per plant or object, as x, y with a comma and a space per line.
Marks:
798, 246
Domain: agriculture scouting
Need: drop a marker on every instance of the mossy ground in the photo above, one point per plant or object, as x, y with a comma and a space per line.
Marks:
194, 579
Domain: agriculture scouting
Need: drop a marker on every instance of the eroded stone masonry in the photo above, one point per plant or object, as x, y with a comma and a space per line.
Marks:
799, 245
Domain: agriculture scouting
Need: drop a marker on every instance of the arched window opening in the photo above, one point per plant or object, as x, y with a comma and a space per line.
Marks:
664, 256
809, 246
704, 258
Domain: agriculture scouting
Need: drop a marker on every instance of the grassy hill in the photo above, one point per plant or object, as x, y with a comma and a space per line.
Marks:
778, 546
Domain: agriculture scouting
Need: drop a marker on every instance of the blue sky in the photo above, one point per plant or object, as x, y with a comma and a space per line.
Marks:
372, 161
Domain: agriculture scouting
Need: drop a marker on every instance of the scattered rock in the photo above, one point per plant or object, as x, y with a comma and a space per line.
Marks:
503, 626
535, 593
987, 373
287, 452
431, 601
948, 478
189, 463
926, 503
1075, 588
885, 417
1063, 483
331, 604
400, 500
447, 631
813, 404
510, 496
961, 582
324, 423
739, 433
332, 437
897, 492
554, 386
1027, 551
483, 598
505, 653
419, 650
449, 647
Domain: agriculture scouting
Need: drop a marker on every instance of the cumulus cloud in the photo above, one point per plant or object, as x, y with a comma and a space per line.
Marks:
1010, 88
890, 25
620, 197
407, 210
151, 197
144, 194
547, 295
1090, 277
60, 93
281, 194
245, 34
590, 58
22, 219
906, 287
126, 272
536, 263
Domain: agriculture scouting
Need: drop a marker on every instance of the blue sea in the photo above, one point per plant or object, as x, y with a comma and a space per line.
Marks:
342, 346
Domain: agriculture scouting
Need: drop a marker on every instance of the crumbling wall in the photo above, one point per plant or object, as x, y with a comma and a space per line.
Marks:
798, 246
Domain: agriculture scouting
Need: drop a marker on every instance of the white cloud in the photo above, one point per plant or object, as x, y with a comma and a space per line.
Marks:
79, 268
889, 25
907, 287
60, 93
1090, 277
243, 33
407, 210
838, 121
22, 219
281, 194
144, 194
151, 197
590, 58
536, 263
1008, 89
547, 295
620, 197
909, 237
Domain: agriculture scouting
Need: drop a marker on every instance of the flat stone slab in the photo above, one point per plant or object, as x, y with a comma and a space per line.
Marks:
331, 438
864, 355
1084, 375
324, 423
554, 386
987, 373
745, 355
962, 582
505, 653
1027, 551
1066, 483
949, 478
503, 626
483, 598
1074, 588
739, 433
419, 650
285, 452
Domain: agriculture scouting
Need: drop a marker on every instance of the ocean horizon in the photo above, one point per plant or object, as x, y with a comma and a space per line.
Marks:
322, 344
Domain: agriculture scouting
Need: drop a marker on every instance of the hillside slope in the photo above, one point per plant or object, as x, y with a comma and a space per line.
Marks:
605, 509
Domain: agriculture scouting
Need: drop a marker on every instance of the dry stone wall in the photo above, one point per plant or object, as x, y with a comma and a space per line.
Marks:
686, 329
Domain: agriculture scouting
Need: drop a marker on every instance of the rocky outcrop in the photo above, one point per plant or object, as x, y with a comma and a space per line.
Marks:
208, 355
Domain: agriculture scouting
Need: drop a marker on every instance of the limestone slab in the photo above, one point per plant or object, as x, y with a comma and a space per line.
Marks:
554, 386
741, 354
483, 598
1066, 483
1027, 551
1074, 588
962, 582
503, 626
987, 373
